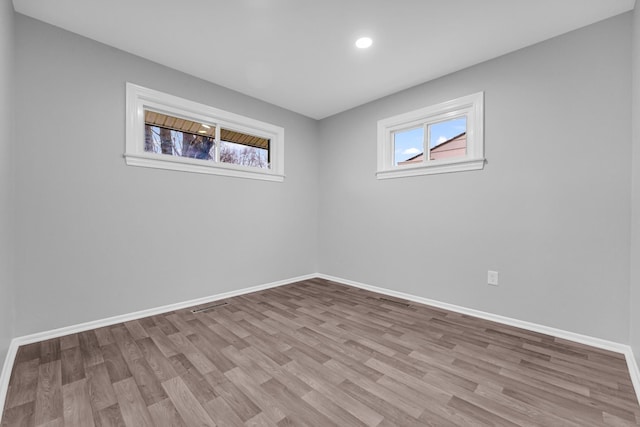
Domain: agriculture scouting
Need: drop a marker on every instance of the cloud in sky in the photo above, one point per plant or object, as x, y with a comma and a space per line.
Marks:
442, 139
411, 150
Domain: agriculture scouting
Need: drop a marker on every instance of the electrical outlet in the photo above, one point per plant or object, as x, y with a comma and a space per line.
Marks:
492, 278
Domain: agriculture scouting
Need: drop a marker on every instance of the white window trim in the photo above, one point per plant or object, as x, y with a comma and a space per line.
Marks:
471, 106
139, 98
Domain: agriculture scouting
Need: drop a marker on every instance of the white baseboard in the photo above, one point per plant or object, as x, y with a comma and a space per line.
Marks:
5, 374
625, 349
634, 371
81, 327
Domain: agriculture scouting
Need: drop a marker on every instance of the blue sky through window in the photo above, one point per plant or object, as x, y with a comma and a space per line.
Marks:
409, 143
443, 131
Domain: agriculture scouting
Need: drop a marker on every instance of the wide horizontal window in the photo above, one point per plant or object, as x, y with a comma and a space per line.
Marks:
446, 137
168, 132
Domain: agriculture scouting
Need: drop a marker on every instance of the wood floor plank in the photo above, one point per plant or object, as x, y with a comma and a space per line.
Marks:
19, 415
136, 330
69, 341
317, 353
304, 413
132, 406
241, 404
104, 336
72, 365
186, 404
165, 414
150, 388
128, 347
393, 415
207, 334
165, 326
164, 344
419, 386
24, 382
116, 366
276, 371
569, 413
494, 393
365, 414
199, 386
49, 350
58, 422
147, 323
222, 414
260, 420
201, 362
180, 324
90, 348
270, 347
232, 327
335, 413
109, 417
211, 352
259, 396
612, 420
77, 406
160, 365
28, 352
413, 409
101, 391
49, 393
249, 366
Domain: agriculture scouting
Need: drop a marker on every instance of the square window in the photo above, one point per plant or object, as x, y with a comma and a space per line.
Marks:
446, 137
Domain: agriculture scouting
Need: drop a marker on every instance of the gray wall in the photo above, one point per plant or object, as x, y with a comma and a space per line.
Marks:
550, 211
99, 238
635, 191
6, 181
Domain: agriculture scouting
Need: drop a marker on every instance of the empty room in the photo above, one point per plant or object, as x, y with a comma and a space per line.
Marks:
319, 213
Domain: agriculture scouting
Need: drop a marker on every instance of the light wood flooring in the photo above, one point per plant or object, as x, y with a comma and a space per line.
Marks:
316, 353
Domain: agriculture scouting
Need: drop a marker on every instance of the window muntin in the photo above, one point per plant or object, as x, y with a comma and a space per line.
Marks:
168, 132
450, 133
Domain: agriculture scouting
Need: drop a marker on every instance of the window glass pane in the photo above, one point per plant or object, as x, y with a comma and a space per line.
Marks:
174, 136
408, 146
448, 139
243, 149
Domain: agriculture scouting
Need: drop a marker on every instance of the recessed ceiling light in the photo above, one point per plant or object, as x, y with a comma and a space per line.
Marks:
364, 42
205, 126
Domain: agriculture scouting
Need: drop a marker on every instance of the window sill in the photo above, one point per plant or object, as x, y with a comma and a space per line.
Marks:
161, 161
457, 166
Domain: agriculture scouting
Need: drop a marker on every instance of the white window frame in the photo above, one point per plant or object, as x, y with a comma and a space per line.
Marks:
470, 106
140, 98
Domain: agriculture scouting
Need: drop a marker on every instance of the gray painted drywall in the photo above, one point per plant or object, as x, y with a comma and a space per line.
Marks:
99, 238
550, 211
635, 191
6, 179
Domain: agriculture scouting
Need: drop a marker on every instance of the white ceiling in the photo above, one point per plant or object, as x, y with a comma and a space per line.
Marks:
300, 54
